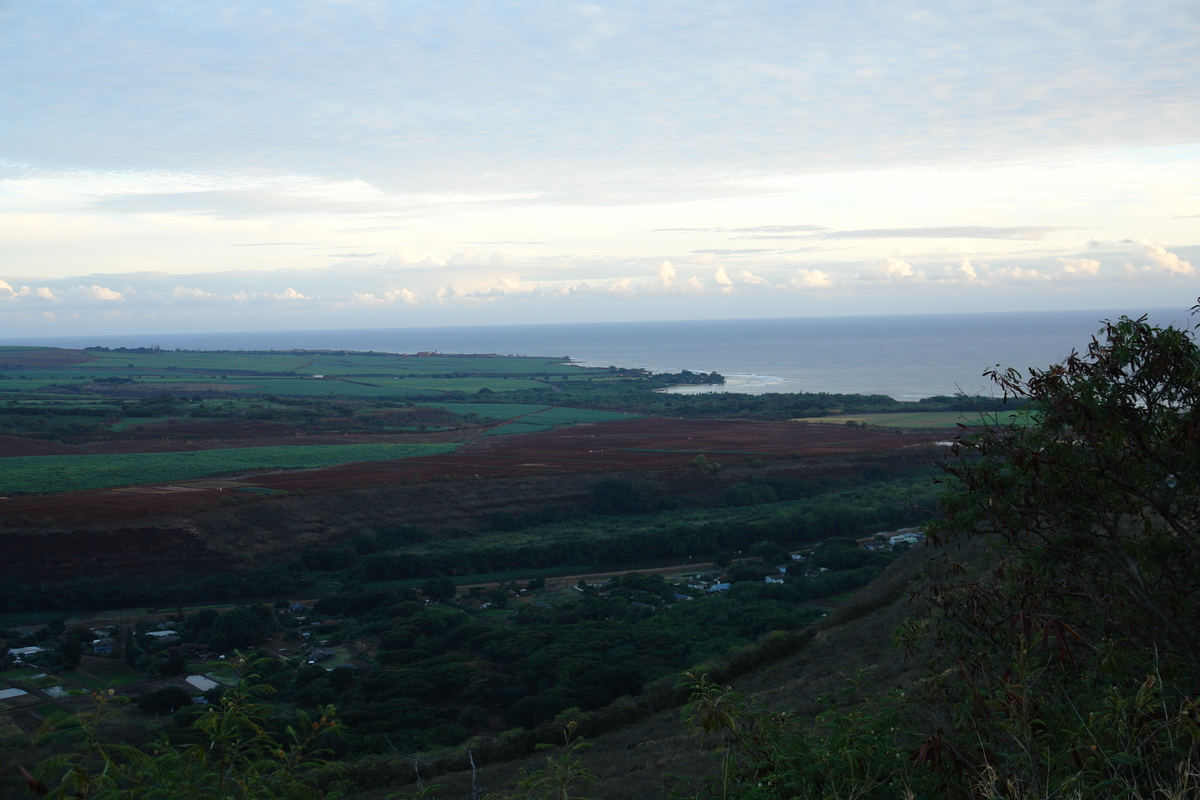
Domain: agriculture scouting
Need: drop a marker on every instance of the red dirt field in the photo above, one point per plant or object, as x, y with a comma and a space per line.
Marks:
42, 358
22, 446
639, 444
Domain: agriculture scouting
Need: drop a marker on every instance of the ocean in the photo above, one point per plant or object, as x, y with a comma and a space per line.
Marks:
905, 356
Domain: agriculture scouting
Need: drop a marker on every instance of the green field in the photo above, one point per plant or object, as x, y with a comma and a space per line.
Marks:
920, 419
102, 674
48, 474
56, 716
493, 410
543, 420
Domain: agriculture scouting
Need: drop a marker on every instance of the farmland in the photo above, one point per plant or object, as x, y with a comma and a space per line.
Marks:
68, 473
921, 419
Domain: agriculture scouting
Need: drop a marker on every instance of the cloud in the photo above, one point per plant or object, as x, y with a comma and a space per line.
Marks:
189, 293
666, 275
95, 292
290, 294
406, 257
468, 257
1080, 266
1167, 262
810, 279
1019, 233
1019, 274
1023, 233
621, 286
967, 270
391, 296
748, 278
723, 280
756, 229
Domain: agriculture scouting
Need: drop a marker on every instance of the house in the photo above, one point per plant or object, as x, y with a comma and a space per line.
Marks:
21, 653
770, 579
201, 682
910, 537
720, 587
104, 647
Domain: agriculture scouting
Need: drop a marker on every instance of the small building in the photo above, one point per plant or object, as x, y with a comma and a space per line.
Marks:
201, 682
104, 647
770, 579
720, 587
21, 653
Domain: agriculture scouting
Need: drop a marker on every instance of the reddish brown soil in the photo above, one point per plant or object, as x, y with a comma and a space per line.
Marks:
624, 446
21, 446
159, 445
47, 358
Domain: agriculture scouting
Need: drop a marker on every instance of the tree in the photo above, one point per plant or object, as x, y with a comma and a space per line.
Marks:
236, 757
441, 588
1101, 492
1068, 666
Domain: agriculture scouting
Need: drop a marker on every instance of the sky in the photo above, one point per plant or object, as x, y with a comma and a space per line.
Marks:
178, 167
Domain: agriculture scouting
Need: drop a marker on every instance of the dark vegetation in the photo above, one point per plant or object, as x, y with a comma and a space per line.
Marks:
1055, 629
651, 526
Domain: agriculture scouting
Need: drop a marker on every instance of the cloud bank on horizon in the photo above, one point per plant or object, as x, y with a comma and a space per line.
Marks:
221, 166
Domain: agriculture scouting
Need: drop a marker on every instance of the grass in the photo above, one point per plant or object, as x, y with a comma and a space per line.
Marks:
56, 716
49, 474
920, 419
110, 672
95, 684
492, 410
507, 576
544, 420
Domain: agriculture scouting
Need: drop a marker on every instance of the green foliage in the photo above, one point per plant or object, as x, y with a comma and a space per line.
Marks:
561, 779
1068, 669
855, 749
236, 758
37, 474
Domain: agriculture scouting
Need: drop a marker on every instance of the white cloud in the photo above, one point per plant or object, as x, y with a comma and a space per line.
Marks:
894, 270
468, 257
406, 257
1020, 274
1166, 262
810, 279
666, 275
967, 270
189, 293
1080, 266
290, 294
6, 291
621, 286
897, 268
95, 292
748, 278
